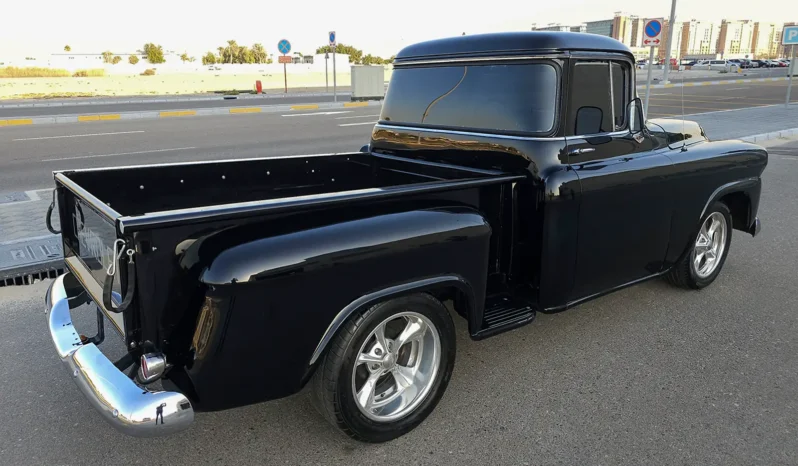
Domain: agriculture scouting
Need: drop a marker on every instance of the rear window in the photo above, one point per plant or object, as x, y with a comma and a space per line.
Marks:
512, 98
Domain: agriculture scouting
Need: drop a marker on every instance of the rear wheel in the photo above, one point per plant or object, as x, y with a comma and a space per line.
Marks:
387, 368
702, 263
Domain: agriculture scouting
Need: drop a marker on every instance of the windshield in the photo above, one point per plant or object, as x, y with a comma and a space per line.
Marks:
511, 98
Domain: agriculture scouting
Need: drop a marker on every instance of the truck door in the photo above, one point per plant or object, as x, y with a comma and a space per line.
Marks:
625, 207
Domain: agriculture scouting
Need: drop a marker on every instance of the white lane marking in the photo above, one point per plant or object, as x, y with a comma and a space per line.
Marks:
358, 116
316, 113
356, 124
738, 88
33, 195
77, 136
120, 153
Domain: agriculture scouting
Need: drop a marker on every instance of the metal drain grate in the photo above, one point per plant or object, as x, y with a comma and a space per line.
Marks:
31, 278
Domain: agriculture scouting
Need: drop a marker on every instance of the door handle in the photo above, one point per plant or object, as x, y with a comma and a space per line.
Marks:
581, 151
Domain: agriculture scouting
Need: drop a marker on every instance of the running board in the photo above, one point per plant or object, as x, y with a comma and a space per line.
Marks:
503, 313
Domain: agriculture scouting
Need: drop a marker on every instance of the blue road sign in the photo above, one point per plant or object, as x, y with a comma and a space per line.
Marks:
332, 37
653, 28
284, 46
790, 35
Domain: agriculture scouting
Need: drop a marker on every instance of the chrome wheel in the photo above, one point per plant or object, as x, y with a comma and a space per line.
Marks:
710, 245
396, 367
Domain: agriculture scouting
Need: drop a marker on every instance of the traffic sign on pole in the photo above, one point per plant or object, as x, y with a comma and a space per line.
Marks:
334, 45
790, 35
284, 46
653, 33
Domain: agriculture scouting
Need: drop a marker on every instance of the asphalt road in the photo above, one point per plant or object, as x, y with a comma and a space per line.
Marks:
648, 375
670, 102
29, 154
81, 107
249, 101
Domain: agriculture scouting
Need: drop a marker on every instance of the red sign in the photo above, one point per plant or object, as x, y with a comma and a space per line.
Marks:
285, 59
651, 42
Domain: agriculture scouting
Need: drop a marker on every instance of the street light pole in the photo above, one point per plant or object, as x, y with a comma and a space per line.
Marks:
671, 28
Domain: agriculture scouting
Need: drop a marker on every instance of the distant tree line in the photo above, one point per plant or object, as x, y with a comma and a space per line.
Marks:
234, 53
355, 55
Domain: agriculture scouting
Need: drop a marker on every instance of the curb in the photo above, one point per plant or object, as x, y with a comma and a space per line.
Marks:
713, 83
160, 100
785, 133
49, 120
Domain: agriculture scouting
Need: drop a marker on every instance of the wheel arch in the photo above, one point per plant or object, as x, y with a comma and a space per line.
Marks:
442, 287
742, 199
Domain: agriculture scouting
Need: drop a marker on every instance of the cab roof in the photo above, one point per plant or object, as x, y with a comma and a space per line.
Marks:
508, 44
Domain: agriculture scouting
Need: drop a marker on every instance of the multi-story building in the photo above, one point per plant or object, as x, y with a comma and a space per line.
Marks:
699, 39
766, 41
581, 28
551, 27
602, 27
735, 38
622, 28
636, 36
675, 45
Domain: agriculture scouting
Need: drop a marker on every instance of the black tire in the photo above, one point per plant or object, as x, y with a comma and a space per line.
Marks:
332, 381
684, 274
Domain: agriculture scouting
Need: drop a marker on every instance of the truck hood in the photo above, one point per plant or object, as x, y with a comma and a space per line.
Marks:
677, 130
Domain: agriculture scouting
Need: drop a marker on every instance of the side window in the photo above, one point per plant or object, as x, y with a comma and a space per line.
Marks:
590, 110
621, 74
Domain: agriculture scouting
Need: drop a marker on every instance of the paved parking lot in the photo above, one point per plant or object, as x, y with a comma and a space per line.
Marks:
691, 100
648, 375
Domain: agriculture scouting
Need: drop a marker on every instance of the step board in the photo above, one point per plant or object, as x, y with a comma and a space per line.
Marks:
503, 313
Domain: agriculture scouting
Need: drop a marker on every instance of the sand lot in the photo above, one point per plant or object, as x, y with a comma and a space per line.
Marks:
183, 83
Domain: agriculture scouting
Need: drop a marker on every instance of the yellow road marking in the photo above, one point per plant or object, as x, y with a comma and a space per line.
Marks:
24, 121
356, 104
178, 114
304, 107
246, 110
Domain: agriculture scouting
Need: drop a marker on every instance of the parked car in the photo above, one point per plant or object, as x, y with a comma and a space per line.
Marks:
521, 186
713, 65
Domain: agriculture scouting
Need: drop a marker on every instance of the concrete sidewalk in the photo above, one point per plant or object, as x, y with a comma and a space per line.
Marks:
27, 247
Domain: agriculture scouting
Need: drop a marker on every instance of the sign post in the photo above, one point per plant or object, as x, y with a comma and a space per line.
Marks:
790, 38
326, 73
284, 47
334, 45
671, 30
652, 37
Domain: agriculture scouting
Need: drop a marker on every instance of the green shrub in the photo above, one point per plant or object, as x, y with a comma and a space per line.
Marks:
94, 73
32, 72
149, 72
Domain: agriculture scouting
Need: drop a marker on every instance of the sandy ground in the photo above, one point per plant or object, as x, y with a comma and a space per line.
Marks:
125, 85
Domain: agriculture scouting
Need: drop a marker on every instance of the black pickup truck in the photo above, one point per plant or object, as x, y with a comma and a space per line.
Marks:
508, 174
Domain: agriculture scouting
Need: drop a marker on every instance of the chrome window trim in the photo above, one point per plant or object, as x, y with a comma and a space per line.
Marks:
586, 136
466, 133
478, 59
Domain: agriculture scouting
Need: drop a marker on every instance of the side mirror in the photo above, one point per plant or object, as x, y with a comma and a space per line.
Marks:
636, 117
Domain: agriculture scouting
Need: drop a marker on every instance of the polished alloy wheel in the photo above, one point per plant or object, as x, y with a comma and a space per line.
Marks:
710, 245
396, 367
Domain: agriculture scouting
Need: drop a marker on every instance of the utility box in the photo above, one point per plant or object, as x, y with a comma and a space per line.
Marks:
368, 82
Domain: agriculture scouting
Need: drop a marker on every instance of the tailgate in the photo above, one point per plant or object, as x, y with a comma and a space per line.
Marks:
89, 235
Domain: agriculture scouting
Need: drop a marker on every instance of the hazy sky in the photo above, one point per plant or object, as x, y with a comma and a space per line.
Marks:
378, 27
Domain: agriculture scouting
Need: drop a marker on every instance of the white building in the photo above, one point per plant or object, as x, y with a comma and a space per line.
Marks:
699, 39
736, 38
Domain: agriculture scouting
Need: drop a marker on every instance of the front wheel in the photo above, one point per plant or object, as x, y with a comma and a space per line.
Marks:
702, 263
387, 368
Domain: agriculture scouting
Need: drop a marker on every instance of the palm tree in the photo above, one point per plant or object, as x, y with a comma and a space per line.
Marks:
233, 47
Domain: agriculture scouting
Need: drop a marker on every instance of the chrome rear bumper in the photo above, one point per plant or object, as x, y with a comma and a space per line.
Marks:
128, 407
